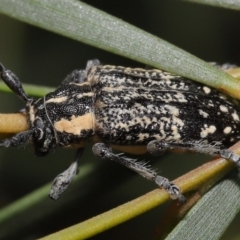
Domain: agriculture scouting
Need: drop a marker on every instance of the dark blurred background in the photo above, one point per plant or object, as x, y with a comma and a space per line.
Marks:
41, 57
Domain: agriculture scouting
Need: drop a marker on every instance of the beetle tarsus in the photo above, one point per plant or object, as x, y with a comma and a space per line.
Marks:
64, 179
171, 188
228, 154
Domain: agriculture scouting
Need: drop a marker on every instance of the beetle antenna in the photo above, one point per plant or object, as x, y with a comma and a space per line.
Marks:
12, 81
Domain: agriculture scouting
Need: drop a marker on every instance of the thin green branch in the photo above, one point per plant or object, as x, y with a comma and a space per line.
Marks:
33, 90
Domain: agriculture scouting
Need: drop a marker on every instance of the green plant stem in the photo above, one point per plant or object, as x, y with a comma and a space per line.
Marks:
33, 90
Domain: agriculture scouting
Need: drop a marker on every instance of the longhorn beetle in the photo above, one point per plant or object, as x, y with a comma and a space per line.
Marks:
113, 106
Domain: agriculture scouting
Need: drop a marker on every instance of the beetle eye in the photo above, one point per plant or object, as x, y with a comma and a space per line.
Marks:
38, 133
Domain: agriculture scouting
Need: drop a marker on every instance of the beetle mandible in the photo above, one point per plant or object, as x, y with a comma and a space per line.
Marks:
119, 107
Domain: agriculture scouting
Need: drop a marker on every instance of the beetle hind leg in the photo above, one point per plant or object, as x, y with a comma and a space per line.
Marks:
154, 147
228, 154
104, 151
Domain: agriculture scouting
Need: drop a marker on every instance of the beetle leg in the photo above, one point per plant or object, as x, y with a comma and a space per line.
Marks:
104, 151
224, 66
92, 63
228, 154
76, 76
64, 179
154, 147
17, 140
79, 76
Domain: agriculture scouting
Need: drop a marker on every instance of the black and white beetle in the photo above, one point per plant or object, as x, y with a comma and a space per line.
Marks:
151, 110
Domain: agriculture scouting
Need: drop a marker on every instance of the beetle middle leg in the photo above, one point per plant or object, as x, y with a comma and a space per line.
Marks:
104, 151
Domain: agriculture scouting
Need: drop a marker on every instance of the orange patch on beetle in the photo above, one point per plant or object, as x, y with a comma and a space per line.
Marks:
76, 124
57, 100
31, 114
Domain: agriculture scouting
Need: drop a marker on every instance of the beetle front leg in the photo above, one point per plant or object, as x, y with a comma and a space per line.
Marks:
64, 179
104, 151
17, 140
79, 76
76, 76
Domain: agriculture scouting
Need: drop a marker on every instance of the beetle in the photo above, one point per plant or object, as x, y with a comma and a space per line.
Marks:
131, 109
